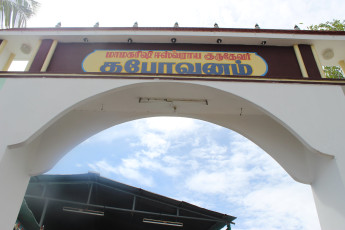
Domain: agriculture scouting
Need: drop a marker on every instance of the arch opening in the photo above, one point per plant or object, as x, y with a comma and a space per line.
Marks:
197, 162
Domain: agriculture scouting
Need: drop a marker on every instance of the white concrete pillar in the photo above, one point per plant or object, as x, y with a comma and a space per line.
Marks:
13, 184
328, 190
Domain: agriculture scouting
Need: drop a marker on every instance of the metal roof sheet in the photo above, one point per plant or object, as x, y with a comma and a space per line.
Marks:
122, 206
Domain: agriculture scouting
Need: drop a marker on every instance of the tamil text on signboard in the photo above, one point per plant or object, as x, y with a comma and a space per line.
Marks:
176, 62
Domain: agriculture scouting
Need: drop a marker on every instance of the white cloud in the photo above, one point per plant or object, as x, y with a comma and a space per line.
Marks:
204, 182
129, 172
288, 205
266, 197
156, 144
136, 169
135, 174
210, 151
148, 164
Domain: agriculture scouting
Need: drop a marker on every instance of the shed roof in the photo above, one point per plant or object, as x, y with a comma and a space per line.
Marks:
89, 201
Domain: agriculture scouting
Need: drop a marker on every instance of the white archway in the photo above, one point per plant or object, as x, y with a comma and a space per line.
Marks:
286, 120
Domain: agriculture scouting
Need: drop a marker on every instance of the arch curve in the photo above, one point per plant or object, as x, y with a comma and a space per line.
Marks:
120, 104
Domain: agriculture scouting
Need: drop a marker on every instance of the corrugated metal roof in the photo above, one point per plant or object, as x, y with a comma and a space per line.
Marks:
124, 206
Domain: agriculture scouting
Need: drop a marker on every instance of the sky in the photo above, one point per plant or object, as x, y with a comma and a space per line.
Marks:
186, 159
200, 163
269, 14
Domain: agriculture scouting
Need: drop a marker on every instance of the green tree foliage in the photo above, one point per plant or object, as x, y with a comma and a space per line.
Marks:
15, 13
333, 72
335, 25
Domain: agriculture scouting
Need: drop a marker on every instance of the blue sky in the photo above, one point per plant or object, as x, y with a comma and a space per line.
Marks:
200, 163
188, 159
270, 14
